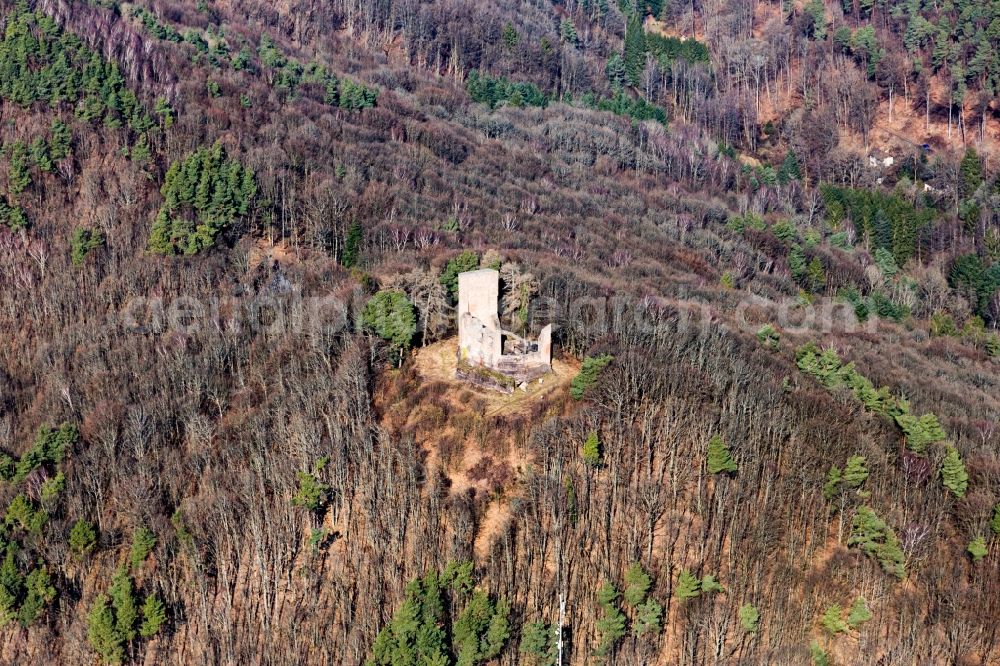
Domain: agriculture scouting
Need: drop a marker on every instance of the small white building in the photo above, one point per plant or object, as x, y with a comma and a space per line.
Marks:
880, 160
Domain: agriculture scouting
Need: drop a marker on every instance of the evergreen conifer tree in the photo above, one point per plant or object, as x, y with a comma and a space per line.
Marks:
647, 618
123, 601
538, 643
873, 536
352, 245
592, 450
391, 316
635, 50
719, 458
40, 154
855, 472
832, 620
615, 71
970, 173
19, 178
977, 548
710, 584
39, 592
789, 169
688, 587
858, 614
82, 538
749, 618
834, 478
953, 474
101, 632
590, 369
637, 584
611, 625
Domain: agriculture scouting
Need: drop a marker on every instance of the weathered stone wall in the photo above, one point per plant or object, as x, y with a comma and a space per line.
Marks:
478, 344
480, 338
479, 294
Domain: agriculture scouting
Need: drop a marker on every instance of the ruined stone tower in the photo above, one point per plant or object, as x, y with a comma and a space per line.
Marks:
485, 350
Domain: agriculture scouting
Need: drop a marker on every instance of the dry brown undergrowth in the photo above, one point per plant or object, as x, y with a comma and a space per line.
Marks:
472, 434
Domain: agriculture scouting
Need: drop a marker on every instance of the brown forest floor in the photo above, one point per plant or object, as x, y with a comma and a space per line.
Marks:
437, 363
476, 425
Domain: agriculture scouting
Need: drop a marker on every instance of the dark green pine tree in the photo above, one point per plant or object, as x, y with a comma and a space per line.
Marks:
816, 275
65, 84
39, 592
719, 458
101, 633
611, 625
615, 71
124, 603
953, 474
40, 155
416, 632
834, 479
111, 623
82, 241
11, 586
188, 180
229, 197
19, 177
859, 613
688, 586
481, 629
248, 190
59, 140
637, 585
154, 614
112, 104
391, 316
510, 36
635, 50
970, 173
203, 191
855, 472
592, 450
221, 206
538, 643
141, 151
352, 245
163, 110
882, 229
789, 169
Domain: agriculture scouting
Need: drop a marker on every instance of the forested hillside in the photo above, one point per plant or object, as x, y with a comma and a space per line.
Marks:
230, 234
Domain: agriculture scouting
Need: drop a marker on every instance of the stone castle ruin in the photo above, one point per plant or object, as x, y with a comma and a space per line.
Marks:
487, 354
